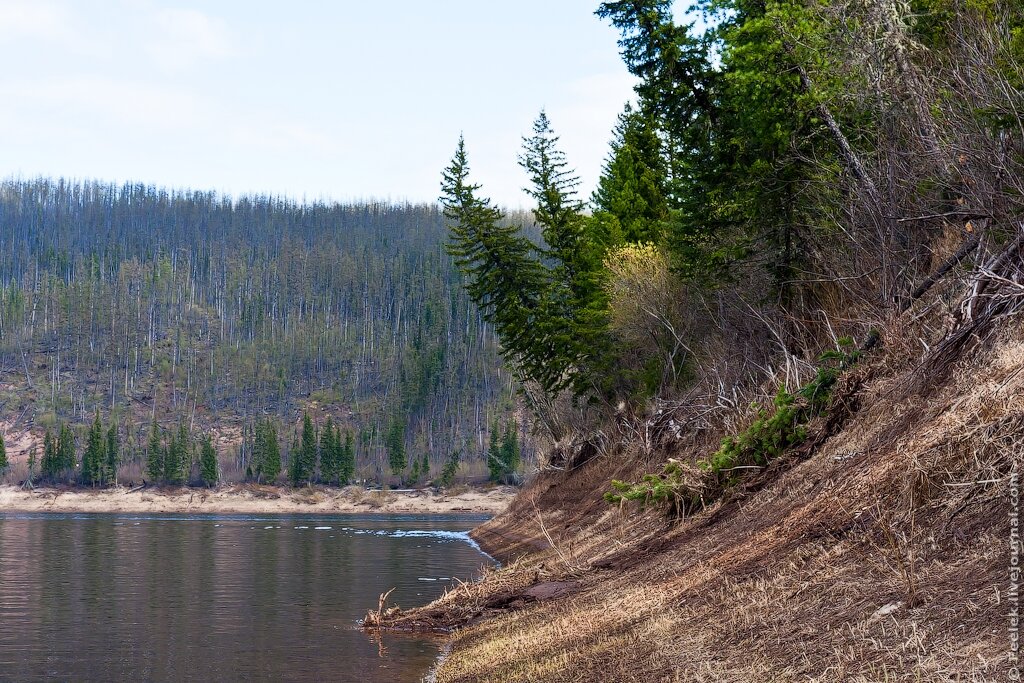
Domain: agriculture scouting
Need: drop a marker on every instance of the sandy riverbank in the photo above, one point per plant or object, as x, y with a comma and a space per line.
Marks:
245, 499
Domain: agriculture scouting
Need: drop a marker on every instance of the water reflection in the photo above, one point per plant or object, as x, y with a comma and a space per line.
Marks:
114, 597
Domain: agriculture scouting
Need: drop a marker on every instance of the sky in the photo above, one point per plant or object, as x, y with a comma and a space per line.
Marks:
326, 99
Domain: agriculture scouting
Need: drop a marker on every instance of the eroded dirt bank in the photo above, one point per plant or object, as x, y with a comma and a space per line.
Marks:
244, 499
880, 555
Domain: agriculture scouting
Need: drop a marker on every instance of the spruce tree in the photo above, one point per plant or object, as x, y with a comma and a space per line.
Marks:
495, 465
258, 454
630, 203
425, 467
510, 454
173, 459
395, 444
208, 470
177, 463
94, 457
677, 86
32, 463
574, 304
450, 469
66, 450
113, 453
4, 462
155, 455
50, 464
330, 453
348, 459
270, 467
504, 276
184, 472
503, 453
307, 452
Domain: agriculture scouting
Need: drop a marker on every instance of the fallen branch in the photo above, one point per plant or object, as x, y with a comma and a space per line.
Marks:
376, 619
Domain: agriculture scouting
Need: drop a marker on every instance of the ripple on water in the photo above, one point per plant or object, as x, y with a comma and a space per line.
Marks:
204, 598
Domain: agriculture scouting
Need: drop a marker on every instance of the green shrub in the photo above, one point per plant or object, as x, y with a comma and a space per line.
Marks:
768, 436
678, 488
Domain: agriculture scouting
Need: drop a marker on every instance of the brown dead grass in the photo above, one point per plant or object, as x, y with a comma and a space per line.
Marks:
880, 556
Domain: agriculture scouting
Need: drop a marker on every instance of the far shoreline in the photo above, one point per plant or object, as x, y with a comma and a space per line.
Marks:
255, 499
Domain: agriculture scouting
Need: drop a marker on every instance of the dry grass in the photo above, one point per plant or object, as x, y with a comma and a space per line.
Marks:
881, 557
456, 489
355, 494
378, 499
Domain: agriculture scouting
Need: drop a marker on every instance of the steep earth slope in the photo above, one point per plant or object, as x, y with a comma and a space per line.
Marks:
879, 552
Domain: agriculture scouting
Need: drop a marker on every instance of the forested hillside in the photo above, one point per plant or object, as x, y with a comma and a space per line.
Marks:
191, 308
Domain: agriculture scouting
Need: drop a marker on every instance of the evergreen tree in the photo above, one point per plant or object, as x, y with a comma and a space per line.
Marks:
66, 449
173, 459
395, 444
257, 439
32, 463
630, 202
184, 457
450, 469
113, 453
330, 453
50, 465
677, 82
574, 320
503, 454
503, 274
4, 462
425, 467
495, 464
155, 455
304, 457
348, 459
269, 463
95, 455
208, 469
510, 454
308, 449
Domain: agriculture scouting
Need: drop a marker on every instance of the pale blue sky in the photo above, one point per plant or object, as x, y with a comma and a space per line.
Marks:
342, 99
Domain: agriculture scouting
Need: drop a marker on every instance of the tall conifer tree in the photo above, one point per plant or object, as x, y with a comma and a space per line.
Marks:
94, 457
348, 458
66, 449
270, 465
50, 464
330, 454
208, 470
113, 453
504, 276
395, 443
155, 455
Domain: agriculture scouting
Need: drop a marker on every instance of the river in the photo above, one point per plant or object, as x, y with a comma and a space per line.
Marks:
94, 597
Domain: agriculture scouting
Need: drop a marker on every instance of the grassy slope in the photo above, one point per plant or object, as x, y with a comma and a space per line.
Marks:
881, 556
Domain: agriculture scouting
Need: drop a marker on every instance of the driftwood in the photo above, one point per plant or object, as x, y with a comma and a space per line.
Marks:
379, 618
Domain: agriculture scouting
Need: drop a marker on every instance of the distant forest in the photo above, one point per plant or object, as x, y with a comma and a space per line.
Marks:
180, 307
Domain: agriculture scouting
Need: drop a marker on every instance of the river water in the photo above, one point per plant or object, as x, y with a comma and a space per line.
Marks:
220, 598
